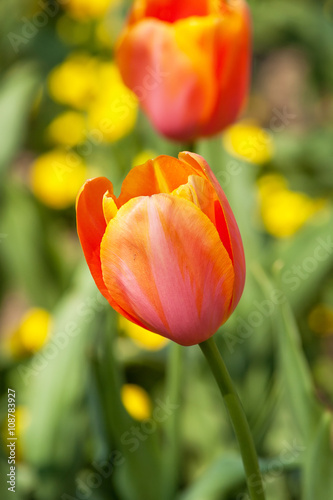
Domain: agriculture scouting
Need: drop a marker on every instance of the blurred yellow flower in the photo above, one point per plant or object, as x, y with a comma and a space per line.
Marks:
107, 31
31, 334
67, 129
75, 81
87, 83
136, 401
56, 177
143, 156
248, 141
141, 337
23, 418
271, 183
321, 319
87, 9
115, 109
284, 211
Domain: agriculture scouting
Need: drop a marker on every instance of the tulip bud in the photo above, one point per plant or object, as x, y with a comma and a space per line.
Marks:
188, 62
167, 253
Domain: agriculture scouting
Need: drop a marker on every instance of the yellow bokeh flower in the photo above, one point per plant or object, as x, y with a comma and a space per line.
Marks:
136, 401
22, 420
321, 320
115, 109
67, 129
270, 184
283, 211
107, 31
75, 82
31, 334
248, 141
143, 156
88, 9
140, 336
56, 178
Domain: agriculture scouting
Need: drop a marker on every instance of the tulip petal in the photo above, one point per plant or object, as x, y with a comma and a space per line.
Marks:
188, 62
199, 191
220, 46
161, 175
225, 223
109, 206
163, 262
232, 67
169, 10
91, 227
172, 88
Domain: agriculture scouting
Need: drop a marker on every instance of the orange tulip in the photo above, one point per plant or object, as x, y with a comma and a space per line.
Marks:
188, 61
167, 253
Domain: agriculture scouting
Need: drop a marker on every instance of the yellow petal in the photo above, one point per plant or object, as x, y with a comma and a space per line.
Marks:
248, 141
136, 401
201, 193
109, 207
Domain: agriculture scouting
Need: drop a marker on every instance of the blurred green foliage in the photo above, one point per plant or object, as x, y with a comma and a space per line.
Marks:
77, 439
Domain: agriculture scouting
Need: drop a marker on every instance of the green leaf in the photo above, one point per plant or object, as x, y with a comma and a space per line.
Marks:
224, 474
55, 385
171, 451
17, 91
140, 475
318, 477
22, 247
294, 370
307, 259
296, 374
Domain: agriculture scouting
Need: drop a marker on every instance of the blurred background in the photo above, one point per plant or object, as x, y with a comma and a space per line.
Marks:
105, 410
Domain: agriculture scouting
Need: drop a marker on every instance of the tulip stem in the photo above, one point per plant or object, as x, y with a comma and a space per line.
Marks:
238, 418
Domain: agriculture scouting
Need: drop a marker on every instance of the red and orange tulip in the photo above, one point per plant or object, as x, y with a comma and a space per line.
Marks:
188, 61
167, 253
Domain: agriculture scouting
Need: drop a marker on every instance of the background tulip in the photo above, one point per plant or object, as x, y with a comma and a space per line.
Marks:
188, 62
167, 253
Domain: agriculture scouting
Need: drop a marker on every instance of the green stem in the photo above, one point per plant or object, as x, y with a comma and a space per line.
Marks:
238, 418
190, 146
